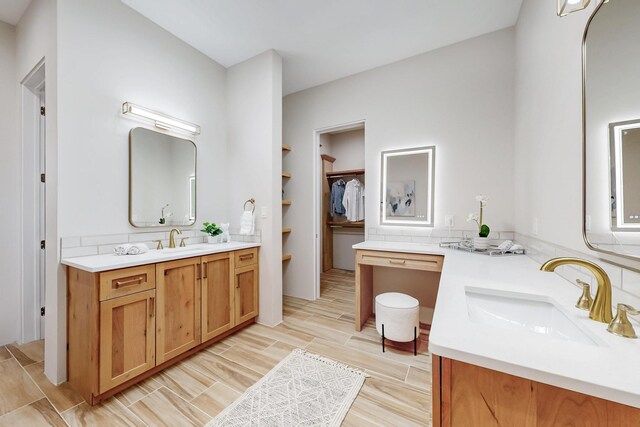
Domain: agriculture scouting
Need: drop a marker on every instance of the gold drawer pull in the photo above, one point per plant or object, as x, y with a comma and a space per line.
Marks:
399, 261
129, 282
246, 256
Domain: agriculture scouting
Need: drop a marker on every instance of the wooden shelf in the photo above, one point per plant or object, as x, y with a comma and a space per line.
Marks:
286, 174
346, 224
334, 174
287, 202
286, 258
286, 230
286, 147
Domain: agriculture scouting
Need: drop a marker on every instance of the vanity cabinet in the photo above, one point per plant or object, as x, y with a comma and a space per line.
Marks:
178, 307
465, 394
218, 295
125, 325
128, 345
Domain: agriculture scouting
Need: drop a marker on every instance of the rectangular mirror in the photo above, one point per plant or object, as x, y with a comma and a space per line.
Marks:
611, 122
407, 187
162, 179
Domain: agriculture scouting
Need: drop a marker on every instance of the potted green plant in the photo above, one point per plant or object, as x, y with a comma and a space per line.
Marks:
480, 242
213, 232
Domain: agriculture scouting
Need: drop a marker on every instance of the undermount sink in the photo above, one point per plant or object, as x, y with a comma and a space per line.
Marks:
528, 313
185, 248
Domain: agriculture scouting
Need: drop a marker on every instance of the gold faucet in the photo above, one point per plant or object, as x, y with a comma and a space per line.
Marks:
601, 308
621, 325
172, 239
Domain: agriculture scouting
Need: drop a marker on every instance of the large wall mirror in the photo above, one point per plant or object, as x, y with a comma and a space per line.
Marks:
611, 70
407, 187
162, 179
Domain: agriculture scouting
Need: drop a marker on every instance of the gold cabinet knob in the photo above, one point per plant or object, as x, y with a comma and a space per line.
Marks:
620, 325
585, 301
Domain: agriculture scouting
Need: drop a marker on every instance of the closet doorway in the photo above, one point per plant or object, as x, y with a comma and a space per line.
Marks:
340, 202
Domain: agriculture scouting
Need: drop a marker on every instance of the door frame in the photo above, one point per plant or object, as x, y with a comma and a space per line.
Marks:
33, 204
317, 192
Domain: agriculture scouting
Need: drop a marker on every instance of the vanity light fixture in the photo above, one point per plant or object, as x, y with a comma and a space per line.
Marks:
160, 120
566, 7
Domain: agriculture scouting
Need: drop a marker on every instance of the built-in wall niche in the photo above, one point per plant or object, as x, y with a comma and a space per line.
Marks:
407, 187
162, 179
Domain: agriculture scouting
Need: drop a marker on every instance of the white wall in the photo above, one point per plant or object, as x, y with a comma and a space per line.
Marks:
548, 138
459, 98
9, 188
36, 39
348, 149
254, 112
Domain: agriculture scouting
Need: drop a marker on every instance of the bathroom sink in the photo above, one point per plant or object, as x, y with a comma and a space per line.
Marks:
531, 314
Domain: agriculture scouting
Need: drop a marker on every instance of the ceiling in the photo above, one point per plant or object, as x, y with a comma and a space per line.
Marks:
324, 40
11, 10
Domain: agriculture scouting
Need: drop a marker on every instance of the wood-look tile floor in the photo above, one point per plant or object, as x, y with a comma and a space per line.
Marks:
398, 392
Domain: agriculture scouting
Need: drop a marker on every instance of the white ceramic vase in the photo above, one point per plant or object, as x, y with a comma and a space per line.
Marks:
481, 243
214, 239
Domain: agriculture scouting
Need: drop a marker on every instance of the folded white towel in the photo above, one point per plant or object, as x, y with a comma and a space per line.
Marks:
247, 223
121, 249
137, 249
129, 249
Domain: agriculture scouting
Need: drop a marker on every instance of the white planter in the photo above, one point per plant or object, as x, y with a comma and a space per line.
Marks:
481, 243
214, 239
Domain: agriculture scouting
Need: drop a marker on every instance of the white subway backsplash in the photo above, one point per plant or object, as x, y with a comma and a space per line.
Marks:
430, 235
104, 244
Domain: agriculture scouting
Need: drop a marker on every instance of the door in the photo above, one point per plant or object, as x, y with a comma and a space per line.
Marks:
127, 346
246, 293
178, 308
217, 295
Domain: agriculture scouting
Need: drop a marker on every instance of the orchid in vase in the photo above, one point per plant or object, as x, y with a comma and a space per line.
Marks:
480, 242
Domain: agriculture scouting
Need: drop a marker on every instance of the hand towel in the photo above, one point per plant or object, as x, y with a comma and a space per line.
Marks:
121, 249
247, 223
137, 249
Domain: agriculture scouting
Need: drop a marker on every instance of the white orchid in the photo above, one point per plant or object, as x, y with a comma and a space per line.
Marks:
482, 199
483, 229
472, 217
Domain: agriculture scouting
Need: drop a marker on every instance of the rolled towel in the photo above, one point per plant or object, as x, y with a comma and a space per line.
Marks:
137, 249
122, 249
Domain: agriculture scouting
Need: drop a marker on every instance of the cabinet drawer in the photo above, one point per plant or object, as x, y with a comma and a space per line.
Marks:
401, 260
117, 283
246, 257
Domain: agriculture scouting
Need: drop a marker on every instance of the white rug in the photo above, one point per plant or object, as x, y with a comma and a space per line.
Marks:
304, 389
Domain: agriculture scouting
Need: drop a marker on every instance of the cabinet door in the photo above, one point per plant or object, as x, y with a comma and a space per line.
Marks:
127, 335
246, 294
178, 307
217, 295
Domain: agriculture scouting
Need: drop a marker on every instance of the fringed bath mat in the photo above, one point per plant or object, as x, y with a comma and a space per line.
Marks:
304, 389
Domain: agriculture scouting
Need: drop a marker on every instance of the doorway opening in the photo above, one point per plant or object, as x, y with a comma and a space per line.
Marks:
33, 99
339, 182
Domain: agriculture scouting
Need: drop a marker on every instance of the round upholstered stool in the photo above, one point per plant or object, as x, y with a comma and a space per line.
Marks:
398, 318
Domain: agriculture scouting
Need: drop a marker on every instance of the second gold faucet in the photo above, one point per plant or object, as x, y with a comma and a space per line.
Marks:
172, 239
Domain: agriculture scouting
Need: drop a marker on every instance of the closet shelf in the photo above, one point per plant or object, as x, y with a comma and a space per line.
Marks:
350, 172
346, 224
286, 147
286, 258
286, 174
286, 230
287, 202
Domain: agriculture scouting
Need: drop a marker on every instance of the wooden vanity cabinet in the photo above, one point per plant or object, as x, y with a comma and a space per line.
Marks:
469, 395
218, 295
125, 325
178, 307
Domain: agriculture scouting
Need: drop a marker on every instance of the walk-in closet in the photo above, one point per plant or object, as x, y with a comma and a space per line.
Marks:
343, 190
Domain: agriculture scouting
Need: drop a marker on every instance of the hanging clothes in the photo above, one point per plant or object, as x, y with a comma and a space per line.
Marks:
337, 194
353, 200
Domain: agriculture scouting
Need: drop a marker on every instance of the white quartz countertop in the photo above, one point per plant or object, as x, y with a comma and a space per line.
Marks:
97, 263
609, 368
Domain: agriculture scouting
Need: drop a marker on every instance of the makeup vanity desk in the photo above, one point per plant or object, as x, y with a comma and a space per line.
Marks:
371, 254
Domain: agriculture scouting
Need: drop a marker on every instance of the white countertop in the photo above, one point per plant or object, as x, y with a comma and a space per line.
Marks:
97, 263
609, 369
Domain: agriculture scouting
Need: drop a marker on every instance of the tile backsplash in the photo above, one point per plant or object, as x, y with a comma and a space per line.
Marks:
104, 244
429, 235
